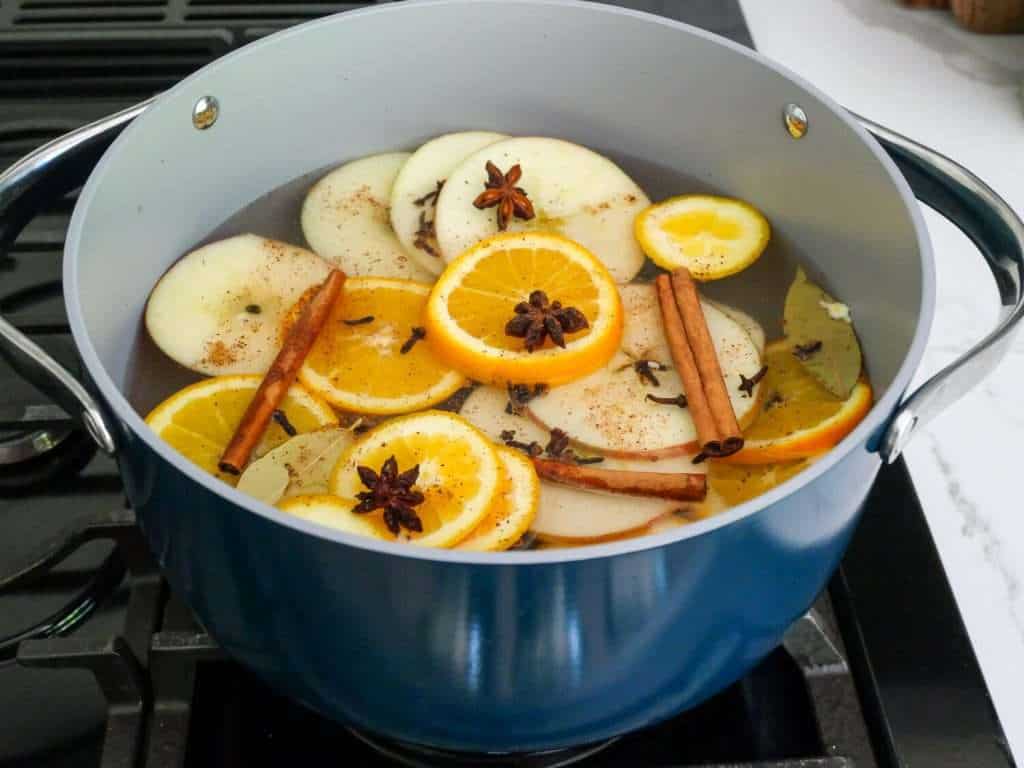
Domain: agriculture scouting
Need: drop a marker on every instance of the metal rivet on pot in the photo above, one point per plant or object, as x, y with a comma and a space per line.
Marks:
795, 118
205, 112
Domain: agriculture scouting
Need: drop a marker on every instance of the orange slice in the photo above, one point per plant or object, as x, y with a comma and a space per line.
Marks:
798, 417
358, 363
713, 237
513, 508
199, 420
477, 294
459, 476
332, 511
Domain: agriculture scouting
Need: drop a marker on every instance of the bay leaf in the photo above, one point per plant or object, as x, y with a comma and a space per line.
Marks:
818, 325
301, 465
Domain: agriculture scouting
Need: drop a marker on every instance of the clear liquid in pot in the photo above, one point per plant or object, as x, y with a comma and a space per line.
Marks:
760, 291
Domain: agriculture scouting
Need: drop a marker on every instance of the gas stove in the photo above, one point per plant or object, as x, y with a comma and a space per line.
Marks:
101, 665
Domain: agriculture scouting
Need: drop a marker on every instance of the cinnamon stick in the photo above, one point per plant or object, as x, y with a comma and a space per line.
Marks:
281, 374
686, 366
676, 486
695, 324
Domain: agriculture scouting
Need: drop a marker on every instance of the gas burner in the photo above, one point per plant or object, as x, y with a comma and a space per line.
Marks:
16, 447
30, 298
30, 427
31, 460
39, 443
417, 756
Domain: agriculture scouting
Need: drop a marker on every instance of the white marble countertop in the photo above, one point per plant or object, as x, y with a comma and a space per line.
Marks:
920, 74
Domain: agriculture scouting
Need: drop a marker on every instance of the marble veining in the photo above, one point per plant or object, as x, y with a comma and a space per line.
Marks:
976, 526
969, 55
920, 74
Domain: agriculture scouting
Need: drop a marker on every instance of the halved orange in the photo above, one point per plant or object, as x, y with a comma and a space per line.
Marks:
358, 363
513, 508
713, 237
799, 417
199, 420
476, 297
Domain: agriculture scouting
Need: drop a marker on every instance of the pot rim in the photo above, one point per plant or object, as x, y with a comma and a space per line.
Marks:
872, 424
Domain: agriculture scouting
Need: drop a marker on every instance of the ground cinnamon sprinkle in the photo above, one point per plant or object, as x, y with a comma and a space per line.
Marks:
365, 195
218, 354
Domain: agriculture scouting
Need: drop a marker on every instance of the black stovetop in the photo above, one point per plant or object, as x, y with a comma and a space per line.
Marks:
880, 673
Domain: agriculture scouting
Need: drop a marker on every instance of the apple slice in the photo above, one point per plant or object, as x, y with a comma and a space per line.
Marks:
485, 408
414, 194
346, 219
218, 309
570, 514
574, 191
608, 411
750, 325
302, 465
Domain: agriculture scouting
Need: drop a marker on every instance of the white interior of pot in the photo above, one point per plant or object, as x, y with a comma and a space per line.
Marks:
680, 111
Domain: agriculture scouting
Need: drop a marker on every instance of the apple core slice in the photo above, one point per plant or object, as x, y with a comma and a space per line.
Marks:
414, 194
346, 219
218, 310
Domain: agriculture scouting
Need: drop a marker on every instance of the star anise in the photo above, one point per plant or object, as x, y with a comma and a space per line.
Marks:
536, 320
392, 492
500, 190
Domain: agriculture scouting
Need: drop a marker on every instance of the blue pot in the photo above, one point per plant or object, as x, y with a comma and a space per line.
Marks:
519, 650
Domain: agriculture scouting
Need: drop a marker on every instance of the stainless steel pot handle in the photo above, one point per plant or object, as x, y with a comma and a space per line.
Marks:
54, 168
998, 233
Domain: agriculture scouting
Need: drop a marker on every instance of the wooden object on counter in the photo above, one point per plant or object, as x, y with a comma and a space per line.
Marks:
991, 17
